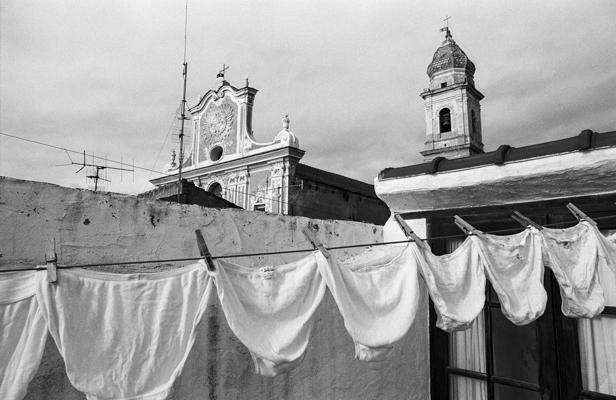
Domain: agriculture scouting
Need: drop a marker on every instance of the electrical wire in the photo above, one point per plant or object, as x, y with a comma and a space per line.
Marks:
270, 253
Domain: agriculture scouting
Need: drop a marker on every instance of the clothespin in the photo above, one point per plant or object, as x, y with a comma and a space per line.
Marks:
205, 253
409, 232
466, 227
51, 259
525, 221
309, 233
579, 214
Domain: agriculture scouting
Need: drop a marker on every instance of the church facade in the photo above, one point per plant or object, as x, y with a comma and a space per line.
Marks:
224, 158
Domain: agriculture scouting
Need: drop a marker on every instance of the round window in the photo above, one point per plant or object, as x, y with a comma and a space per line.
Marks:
216, 153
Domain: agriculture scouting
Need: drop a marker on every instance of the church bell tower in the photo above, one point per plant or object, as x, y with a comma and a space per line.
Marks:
453, 112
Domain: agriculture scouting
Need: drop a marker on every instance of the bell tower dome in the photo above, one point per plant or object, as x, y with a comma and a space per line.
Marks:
451, 103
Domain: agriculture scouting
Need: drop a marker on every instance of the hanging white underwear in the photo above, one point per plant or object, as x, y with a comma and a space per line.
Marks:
270, 309
514, 266
377, 293
456, 283
22, 333
574, 255
124, 336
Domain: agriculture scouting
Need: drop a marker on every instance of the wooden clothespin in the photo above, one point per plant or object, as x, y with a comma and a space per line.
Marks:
204, 251
466, 227
51, 259
409, 232
525, 221
309, 233
580, 215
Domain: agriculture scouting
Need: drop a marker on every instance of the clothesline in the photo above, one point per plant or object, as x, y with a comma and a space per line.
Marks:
270, 253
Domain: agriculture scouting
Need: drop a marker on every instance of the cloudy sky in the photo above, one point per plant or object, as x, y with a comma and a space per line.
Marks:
105, 76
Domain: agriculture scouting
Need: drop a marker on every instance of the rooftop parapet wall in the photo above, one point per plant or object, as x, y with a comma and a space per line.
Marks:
93, 227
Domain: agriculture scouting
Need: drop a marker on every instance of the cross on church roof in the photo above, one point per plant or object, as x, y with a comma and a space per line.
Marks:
446, 27
221, 73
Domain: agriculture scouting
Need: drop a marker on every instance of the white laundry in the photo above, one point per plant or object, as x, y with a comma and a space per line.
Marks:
456, 283
608, 247
514, 266
270, 309
124, 336
574, 255
377, 293
22, 333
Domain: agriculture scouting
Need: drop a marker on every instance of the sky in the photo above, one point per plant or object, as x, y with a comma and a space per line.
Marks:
105, 76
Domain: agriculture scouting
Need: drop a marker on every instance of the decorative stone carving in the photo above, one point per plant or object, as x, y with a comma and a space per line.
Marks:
215, 124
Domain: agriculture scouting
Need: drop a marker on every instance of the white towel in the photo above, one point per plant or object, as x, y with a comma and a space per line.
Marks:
574, 255
514, 266
124, 336
456, 283
22, 333
377, 293
270, 309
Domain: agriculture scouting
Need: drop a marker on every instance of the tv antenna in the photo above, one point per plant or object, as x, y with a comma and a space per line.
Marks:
183, 106
96, 169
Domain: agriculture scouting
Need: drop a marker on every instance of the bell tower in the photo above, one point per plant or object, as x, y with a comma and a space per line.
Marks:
451, 103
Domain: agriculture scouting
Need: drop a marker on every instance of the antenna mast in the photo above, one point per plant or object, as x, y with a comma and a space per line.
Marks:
183, 108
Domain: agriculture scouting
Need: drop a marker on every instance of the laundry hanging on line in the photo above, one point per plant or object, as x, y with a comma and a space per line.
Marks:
23, 333
271, 309
124, 336
497, 257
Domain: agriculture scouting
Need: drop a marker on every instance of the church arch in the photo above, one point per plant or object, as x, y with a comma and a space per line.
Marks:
444, 120
216, 189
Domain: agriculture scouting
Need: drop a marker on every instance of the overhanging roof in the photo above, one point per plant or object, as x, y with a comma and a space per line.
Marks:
578, 166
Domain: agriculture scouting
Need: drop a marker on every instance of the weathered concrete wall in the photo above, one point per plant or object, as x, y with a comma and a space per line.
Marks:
91, 227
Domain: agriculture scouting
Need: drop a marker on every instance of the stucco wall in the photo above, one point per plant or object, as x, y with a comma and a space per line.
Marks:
91, 227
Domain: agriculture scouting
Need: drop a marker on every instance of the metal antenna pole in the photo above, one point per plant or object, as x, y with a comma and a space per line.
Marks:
183, 108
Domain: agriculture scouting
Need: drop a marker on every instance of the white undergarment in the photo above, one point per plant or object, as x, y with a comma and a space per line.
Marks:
514, 266
270, 309
574, 255
22, 333
124, 336
456, 283
377, 293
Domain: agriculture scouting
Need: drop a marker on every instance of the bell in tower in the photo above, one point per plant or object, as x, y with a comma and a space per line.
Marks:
453, 112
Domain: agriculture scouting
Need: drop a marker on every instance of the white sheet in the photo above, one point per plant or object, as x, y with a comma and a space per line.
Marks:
270, 309
514, 266
124, 336
456, 283
574, 255
22, 333
377, 293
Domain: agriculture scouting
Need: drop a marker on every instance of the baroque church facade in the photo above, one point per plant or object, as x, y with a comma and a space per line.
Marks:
225, 159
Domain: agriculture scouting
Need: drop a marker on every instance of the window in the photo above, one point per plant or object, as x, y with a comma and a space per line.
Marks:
554, 357
259, 207
443, 84
444, 120
494, 359
597, 341
216, 153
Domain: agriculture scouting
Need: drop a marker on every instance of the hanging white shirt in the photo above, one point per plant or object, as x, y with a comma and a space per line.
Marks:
456, 283
124, 336
22, 333
270, 309
514, 265
574, 255
377, 293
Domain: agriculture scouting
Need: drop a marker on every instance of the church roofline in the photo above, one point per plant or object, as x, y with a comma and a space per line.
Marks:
586, 140
218, 92
265, 156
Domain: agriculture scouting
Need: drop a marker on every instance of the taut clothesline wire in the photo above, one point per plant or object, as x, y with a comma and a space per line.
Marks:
269, 253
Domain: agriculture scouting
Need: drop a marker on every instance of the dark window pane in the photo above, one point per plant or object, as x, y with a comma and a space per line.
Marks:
463, 388
515, 352
503, 392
